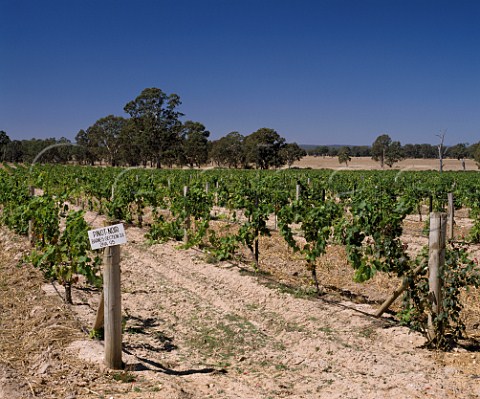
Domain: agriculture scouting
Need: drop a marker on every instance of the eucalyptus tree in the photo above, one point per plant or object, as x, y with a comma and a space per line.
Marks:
291, 152
380, 147
459, 151
394, 153
441, 149
262, 148
476, 154
85, 150
157, 123
105, 136
228, 150
195, 143
4, 141
386, 151
344, 155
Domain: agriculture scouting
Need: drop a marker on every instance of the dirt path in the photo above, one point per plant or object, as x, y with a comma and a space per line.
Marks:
198, 330
203, 330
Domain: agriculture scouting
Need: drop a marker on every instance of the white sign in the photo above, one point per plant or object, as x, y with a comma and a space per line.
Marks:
107, 236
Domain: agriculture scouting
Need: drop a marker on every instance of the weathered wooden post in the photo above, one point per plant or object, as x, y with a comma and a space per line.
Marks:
297, 192
113, 308
402, 287
216, 194
451, 216
140, 212
31, 232
187, 219
77, 199
207, 187
110, 238
99, 318
436, 260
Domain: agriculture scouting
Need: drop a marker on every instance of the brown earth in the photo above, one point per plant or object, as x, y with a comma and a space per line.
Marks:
194, 329
366, 163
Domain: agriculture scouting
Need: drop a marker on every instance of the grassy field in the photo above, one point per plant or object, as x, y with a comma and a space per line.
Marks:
366, 163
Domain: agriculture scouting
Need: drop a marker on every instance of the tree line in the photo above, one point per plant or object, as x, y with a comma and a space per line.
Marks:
388, 152
425, 151
154, 135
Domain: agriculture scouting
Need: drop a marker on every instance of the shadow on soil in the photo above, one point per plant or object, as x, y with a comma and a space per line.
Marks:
151, 365
160, 342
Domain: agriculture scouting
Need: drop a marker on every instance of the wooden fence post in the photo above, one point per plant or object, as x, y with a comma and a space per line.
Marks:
187, 220
31, 233
402, 287
297, 192
215, 202
113, 308
436, 260
99, 318
451, 216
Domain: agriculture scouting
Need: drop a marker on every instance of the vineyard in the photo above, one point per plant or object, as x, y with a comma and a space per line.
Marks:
254, 260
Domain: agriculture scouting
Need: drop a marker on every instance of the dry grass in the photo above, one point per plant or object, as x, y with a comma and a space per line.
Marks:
35, 329
366, 163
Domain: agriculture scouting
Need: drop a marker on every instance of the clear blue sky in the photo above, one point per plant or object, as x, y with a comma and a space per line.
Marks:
319, 72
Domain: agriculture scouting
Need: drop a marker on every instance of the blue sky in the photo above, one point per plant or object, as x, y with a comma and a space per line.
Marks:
318, 72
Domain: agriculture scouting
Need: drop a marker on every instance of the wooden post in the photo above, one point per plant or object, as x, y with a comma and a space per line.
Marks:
77, 199
402, 287
187, 220
99, 319
207, 187
216, 194
436, 260
308, 180
451, 216
140, 212
297, 192
113, 308
31, 233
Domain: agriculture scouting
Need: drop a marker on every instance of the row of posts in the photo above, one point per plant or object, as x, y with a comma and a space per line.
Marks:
438, 235
109, 313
